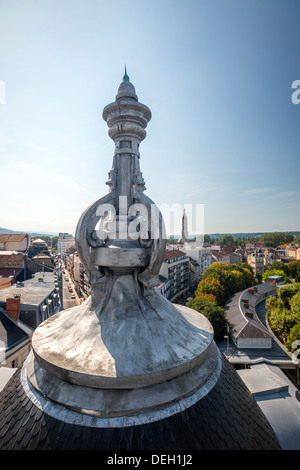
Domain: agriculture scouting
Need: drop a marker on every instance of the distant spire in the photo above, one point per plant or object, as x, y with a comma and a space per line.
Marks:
125, 78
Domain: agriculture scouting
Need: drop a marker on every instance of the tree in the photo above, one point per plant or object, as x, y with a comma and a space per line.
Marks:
294, 335
286, 293
227, 240
295, 304
282, 321
213, 312
280, 265
276, 239
238, 280
54, 243
271, 302
211, 286
275, 272
227, 275
294, 270
283, 312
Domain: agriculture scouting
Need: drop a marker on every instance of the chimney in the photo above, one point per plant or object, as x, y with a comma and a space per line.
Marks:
249, 314
13, 307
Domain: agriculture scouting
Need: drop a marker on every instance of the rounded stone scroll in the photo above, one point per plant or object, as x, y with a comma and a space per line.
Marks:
86, 244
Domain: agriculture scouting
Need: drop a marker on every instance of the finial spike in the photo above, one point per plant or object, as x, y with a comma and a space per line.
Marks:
125, 78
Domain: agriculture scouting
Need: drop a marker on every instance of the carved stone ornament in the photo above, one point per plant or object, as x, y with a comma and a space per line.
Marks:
126, 349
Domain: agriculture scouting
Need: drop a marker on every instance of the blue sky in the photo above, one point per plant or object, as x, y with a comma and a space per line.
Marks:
216, 74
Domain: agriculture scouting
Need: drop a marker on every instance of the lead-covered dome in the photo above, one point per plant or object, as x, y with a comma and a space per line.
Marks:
126, 89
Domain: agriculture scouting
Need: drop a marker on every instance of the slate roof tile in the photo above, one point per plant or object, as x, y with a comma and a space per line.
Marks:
227, 418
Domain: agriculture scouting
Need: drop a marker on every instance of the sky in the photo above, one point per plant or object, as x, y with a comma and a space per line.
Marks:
217, 76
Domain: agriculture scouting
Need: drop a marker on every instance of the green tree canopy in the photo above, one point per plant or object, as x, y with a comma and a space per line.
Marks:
211, 286
295, 304
276, 239
227, 240
286, 293
275, 272
280, 265
282, 321
54, 243
283, 312
294, 335
213, 312
227, 275
294, 270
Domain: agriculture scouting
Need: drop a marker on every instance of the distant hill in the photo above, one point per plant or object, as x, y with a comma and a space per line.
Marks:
248, 235
6, 230
32, 234
213, 236
218, 236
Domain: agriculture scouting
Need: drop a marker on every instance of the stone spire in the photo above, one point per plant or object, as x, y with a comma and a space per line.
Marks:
184, 230
125, 77
126, 335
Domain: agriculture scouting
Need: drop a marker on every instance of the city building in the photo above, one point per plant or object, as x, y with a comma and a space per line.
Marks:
203, 257
246, 329
164, 286
43, 259
195, 274
64, 242
12, 268
11, 259
226, 256
175, 268
293, 251
15, 338
254, 245
14, 241
38, 298
37, 247
81, 281
269, 258
257, 261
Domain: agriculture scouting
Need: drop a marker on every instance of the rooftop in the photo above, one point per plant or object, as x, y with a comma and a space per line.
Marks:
12, 237
277, 354
236, 311
173, 253
32, 291
10, 332
275, 395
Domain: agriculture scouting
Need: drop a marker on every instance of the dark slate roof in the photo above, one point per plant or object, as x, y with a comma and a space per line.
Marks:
10, 332
227, 418
242, 325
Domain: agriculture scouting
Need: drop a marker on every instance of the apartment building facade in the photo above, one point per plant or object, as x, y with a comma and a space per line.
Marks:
64, 242
202, 255
176, 268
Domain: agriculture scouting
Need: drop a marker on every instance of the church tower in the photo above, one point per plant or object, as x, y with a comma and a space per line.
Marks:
184, 230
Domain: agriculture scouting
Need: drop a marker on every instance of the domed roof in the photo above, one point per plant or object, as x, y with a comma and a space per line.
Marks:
126, 89
227, 418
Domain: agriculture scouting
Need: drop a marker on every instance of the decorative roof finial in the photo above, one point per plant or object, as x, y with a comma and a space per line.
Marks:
125, 78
